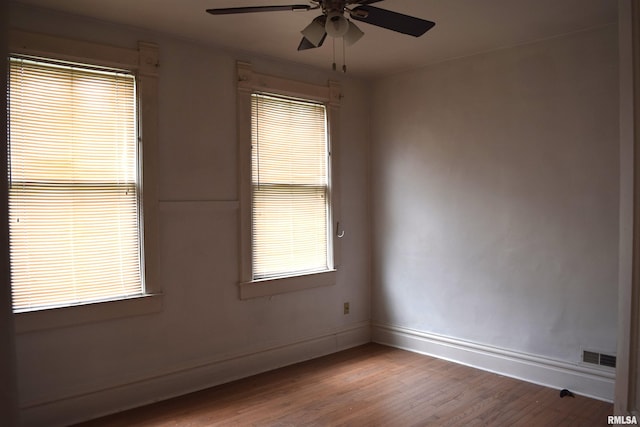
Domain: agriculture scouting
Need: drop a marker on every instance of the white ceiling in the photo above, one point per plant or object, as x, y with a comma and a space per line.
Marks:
463, 27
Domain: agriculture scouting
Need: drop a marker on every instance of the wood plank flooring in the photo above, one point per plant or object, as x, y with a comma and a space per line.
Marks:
371, 385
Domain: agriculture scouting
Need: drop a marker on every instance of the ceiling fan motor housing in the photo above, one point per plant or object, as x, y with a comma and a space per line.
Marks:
329, 6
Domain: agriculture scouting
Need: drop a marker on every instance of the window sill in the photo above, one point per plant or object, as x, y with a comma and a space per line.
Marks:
30, 321
281, 285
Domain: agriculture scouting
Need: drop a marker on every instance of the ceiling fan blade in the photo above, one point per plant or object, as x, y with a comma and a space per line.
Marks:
252, 9
393, 21
363, 2
306, 44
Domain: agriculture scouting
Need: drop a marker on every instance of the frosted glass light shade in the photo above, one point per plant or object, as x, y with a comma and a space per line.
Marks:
337, 25
315, 32
353, 34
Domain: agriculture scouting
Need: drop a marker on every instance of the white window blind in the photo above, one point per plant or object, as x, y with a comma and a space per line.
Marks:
290, 187
73, 202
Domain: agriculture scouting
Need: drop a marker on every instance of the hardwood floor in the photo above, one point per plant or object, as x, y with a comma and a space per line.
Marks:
371, 385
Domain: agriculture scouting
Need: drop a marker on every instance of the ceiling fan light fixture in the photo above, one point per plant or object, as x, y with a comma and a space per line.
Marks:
337, 25
315, 31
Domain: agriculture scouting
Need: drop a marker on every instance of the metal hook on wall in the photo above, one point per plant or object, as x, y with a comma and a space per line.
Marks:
339, 233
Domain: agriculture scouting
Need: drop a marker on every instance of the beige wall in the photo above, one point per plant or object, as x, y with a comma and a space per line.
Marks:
495, 209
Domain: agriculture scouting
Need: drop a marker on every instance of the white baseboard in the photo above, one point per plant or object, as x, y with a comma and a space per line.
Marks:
582, 380
66, 410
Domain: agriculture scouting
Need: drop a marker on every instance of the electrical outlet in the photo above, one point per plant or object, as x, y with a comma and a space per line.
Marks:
346, 308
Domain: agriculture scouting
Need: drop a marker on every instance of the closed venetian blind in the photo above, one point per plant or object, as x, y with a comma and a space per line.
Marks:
73, 200
289, 187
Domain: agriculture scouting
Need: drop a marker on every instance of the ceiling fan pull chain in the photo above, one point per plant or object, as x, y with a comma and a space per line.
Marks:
334, 53
344, 56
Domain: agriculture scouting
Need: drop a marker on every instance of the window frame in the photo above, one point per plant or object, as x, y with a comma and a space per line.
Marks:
143, 63
249, 82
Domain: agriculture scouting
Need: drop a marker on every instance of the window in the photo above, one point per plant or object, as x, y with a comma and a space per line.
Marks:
80, 230
73, 198
290, 187
288, 199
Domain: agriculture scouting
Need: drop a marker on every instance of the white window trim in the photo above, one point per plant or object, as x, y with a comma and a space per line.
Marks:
249, 82
143, 61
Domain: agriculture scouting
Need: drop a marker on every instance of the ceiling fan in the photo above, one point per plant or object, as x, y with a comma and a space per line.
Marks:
334, 23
